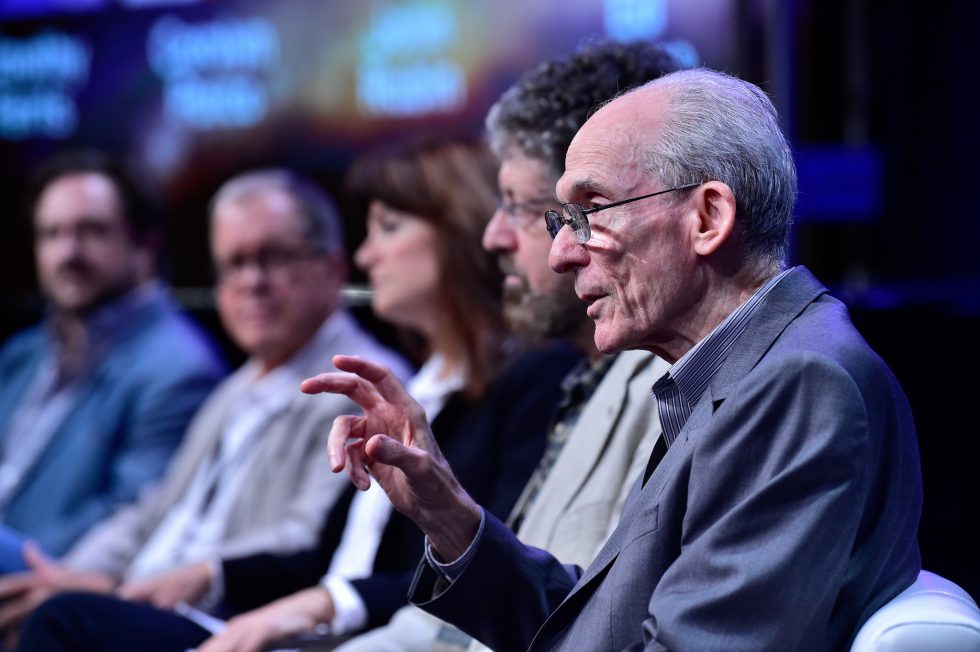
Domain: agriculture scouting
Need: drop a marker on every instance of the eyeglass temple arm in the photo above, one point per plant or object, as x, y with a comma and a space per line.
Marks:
595, 209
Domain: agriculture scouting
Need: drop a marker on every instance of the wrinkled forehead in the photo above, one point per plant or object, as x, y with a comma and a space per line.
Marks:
601, 162
607, 154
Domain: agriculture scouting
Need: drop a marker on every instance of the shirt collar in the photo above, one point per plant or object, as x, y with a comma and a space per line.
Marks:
694, 370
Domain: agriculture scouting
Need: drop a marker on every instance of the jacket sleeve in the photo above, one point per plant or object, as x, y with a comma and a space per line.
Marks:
505, 593
784, 455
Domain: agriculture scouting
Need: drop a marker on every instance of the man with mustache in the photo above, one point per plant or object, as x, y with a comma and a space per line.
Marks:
95, 399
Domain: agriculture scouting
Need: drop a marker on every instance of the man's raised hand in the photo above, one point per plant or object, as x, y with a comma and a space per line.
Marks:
393, 442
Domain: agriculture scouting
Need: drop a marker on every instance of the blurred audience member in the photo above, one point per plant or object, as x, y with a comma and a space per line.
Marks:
96, 398
252, 474
429, 202
606, 422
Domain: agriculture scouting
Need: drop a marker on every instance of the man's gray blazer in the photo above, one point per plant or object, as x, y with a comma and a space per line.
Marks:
290, 487
781, 518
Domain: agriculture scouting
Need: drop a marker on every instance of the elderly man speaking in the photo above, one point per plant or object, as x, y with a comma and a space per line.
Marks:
780, 508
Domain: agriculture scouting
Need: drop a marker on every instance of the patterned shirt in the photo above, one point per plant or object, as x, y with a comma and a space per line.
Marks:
679, 390
578, 387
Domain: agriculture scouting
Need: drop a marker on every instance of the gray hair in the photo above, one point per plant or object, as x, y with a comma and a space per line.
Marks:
321, 222
541, 112
717, 127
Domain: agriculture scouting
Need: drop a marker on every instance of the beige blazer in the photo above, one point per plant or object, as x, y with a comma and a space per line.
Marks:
290, 489
579, 504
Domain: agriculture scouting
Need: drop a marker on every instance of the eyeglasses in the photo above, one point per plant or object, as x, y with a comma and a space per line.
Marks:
575, 214
272, 261
524, 213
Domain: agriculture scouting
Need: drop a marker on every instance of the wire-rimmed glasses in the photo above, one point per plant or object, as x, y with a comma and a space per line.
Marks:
576, 214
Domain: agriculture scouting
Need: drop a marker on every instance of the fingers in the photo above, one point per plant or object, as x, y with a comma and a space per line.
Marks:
134, 591
140, 592
217, 643
34, 558
239, 636
357, 389
344, 429
13, 612
385, 450
356, 463
16, 584
387, 385
369, 384
361, 456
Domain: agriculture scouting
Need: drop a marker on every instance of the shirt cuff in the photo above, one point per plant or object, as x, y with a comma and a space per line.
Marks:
216, 588
349, 611
453, 569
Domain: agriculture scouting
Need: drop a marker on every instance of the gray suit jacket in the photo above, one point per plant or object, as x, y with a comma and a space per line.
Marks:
784, 514
290, 489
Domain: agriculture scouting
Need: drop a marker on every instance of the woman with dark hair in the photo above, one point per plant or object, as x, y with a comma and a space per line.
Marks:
489, 403
434, 194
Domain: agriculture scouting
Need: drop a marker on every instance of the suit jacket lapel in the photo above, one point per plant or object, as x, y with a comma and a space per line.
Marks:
203, 436
783, 304
599, 417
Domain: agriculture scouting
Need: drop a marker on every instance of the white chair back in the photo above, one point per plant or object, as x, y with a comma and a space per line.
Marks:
932, 615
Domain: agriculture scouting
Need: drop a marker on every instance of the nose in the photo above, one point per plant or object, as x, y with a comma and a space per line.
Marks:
567, 253
499, 234
364, 255
66, 246
252, 277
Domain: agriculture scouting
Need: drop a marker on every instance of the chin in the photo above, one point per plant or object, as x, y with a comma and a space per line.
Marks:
395, 313
254, 343
609, 343
76, 302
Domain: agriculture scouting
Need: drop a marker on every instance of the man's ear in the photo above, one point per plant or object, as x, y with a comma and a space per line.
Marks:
715, 205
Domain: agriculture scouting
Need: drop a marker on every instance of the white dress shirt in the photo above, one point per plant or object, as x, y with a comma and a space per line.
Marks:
369, 511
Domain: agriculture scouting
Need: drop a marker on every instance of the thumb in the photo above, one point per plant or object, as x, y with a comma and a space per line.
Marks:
385, 450
34, 558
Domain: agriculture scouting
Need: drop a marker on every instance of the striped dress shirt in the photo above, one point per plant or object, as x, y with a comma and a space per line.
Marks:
679, 390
